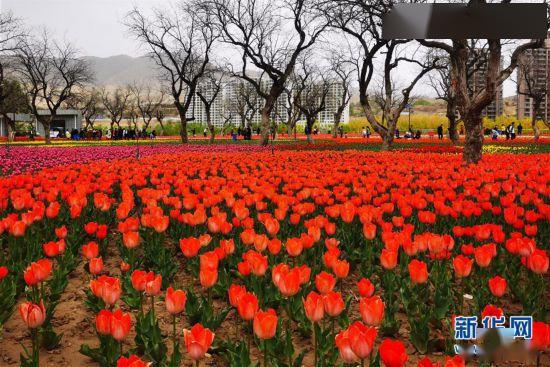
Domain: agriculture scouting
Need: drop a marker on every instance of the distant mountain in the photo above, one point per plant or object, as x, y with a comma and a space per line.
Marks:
122, 70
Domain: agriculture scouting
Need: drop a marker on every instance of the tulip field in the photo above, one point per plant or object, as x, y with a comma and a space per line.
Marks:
282, 256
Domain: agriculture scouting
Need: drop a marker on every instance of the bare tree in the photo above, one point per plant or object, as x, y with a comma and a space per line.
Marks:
529, 85
208, 91
292, 113
471, 104
88, 102
441, 84
314, 87
271, 35
148, 102
342, 74
180, 42
11, 99
246, 103
115, 104
159, 115
51, 72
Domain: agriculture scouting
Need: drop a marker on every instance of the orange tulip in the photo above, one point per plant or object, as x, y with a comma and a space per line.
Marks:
248, 306
190, 246
90, 250
130, 239
96, 265
33, 315
265, 324
175, 301
103, 322
372, 310
120, 325
462, 266
366, 288
340, 268
418, 271
388, 259
197, 341
393, 353
324, 282
497, 286
361, 339
37, 272
235, 293
314, 307
333, 303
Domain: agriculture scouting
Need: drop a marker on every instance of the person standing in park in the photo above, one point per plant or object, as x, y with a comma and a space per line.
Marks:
511, 131
440, 131
520, 129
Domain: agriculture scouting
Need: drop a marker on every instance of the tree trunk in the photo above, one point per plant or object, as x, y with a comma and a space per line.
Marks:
310, 121
47, 125
212, 132
387, 140
183, 128
10, 124
536, 108
264, 125
337, 118
451, 116
473, 146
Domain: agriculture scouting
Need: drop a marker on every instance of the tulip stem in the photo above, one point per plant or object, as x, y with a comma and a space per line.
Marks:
174, 330
120, 351
538, 358
265, 352
314, 346
35, 353
153, 305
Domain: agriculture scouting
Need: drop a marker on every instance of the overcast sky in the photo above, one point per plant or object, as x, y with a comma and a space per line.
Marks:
95, 26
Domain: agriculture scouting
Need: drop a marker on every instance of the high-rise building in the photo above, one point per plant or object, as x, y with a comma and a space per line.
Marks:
227, 99
537, 63
477, 82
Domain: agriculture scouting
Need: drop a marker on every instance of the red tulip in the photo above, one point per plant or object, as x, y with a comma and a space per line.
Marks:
343, 343
18, 229
103, 322
265, 324
492, 311
425, 362
541, 336
294, 246
388, 259
175, 301
289, 282
456, 361
340, 268
96, 265
37, 272
418, 271
538, 261
197, 341
324, 282
208, 277
248, 306
61, 232
361, 339
393, 353
139, 279
190, 246
130, 239
372, 310
90, 250
365, 287
333, 303
462, 266
132, 361
497, 285
90, 228
3, 272
33, 315
483, 255
153, 284
120, 325
107, 288
235, 293
314, 307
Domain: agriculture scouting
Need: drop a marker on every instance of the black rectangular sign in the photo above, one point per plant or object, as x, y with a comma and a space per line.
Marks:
448, 21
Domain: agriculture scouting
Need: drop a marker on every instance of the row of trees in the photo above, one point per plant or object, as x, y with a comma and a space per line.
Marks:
276, 44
